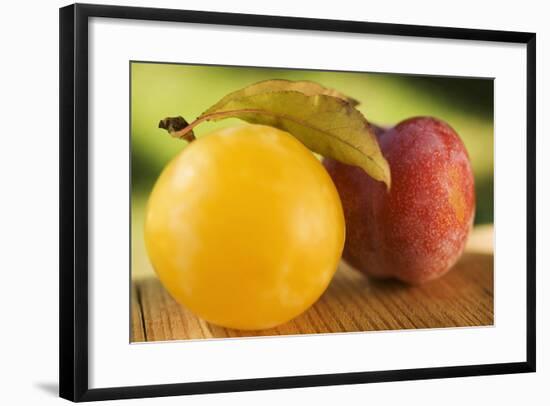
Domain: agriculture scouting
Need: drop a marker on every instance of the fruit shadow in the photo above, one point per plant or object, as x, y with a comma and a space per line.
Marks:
467, 267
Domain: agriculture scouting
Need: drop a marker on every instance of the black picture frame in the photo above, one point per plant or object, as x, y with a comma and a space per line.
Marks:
73, 277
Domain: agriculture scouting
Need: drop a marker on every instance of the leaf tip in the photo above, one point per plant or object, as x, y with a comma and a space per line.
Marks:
387, 176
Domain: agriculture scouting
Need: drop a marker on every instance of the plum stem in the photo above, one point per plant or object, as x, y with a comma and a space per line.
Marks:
178, 127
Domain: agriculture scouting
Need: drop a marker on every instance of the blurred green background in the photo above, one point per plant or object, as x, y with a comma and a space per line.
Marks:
161, 90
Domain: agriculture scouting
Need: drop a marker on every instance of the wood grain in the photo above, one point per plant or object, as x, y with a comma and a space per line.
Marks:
137, 330
463, 297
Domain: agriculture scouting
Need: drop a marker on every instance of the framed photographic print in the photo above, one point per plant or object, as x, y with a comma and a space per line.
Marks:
243, 210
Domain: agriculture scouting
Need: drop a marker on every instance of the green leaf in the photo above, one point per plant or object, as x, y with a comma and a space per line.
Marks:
305, 87
327, 124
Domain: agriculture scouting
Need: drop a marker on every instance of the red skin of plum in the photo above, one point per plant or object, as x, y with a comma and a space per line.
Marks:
417, 231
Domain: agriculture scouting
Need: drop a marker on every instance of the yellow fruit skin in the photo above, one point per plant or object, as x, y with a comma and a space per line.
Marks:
245, 227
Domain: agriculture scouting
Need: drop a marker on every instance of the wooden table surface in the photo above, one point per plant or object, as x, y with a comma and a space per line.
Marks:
463, 297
